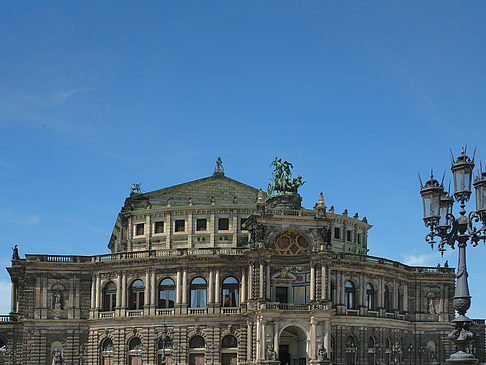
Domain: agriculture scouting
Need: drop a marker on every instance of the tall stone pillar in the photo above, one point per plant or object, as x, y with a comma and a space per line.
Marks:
250, 281
312, 282
123, 294
97, 292
243, 287
178, 287
153, 293
323, 282
217, 294
184, 287
268, 281
405, 297
260, 293
146, 293
211, 287
118, 293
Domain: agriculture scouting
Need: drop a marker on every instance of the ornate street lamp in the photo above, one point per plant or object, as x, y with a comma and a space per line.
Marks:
351, 349
81, 354
411, 353
461, 230
165, 340
397, 353
7, 352
377, 353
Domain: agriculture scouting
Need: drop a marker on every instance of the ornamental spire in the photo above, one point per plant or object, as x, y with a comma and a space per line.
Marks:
218, 169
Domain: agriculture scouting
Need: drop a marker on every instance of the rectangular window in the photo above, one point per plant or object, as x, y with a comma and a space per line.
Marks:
282, 294
180, 225
337, 233
159, 227
139, 229
359, 238
201, 224
348, 237
223, 224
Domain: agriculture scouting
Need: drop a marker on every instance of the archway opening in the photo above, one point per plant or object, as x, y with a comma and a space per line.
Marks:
292, 349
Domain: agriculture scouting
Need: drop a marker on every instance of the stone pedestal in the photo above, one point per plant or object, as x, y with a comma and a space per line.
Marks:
320, 362
269, 362
284, 201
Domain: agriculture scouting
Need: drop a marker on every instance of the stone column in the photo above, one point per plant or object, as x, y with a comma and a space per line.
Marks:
327, 336
341, 286
97, 292
211, 287
275, 336
380, 293
148, 232
146, 293
313, 336
153, 299
405, 298
260, 294
243, 287
190, 228
249, 341
168, 228
178, 287
184, 286
212, 229
250, 281
13, 297
130, 234
268, 281
118, 292
258, 339
123, 294
312, 282
217, 294
93, 291
395, 295
323, 282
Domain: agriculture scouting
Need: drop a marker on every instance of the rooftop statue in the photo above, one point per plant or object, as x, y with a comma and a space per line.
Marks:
218, 169
135, 188
282, 181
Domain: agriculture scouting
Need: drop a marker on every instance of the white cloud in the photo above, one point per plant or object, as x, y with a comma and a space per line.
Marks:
426, 259
9, 217
62, 96
4, 297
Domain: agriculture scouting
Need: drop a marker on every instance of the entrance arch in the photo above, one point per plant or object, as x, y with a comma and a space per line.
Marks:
292, 349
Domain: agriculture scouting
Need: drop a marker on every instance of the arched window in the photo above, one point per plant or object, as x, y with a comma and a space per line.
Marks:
229, 342
198, 293
387, 299
107, 352
230, 292
135, 351
349, 297
371, 351
351, 350
291, 243
136, 294
197, 342
370, 296
166, 293
109, 297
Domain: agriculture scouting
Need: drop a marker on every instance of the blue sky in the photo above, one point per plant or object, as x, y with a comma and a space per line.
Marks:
95, 96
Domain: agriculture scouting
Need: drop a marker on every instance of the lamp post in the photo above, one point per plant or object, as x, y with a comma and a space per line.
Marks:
397, 353
421, 351
165, 340
351, 350
377, 353
411, 352
438, 216
81, 354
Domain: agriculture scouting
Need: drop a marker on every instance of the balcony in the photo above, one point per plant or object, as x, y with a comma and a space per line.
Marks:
295, 307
